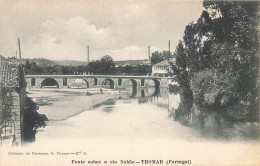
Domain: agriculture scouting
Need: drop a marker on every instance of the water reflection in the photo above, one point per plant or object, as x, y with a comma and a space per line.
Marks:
108, 109
134, 92
211, 124
183, 112
142, 93
158, 96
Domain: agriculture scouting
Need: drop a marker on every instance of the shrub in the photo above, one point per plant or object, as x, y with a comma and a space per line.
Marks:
32, 120
212, 88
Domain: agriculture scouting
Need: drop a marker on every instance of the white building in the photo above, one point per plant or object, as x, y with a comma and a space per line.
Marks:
162, 68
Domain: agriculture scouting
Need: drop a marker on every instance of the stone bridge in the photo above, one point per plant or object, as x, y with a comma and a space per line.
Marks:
95, 81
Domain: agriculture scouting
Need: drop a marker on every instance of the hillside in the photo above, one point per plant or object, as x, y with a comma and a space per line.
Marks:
40, 61
132, 62
46, 62
70, 62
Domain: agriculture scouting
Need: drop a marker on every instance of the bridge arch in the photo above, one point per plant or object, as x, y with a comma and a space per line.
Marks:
108, 82
156, 91
156, 83
134, 83
49, 82
80, 83
86, 83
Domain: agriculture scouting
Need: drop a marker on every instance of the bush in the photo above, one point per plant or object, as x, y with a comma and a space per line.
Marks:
212, 88
32, 120
218, 90
174, 89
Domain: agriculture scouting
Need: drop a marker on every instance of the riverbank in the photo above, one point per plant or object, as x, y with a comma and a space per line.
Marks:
53, 102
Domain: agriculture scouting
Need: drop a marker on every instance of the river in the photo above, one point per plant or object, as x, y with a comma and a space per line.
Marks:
140, 117
147, 120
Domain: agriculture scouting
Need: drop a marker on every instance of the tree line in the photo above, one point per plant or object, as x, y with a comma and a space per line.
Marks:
217, 62
104, 66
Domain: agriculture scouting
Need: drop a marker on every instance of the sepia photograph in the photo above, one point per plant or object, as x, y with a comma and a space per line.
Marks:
129, 83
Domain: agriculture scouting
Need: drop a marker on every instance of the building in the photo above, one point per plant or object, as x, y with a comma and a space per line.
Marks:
162, 68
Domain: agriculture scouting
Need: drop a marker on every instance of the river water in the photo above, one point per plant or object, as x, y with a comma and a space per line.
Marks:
144, 117
148, 113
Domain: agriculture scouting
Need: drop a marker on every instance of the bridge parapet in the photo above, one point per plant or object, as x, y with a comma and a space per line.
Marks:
96, 76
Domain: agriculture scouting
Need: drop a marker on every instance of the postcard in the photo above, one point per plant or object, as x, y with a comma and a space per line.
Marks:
123, 83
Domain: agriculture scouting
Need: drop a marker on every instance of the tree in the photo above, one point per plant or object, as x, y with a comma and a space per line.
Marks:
181, 58
127, 69
27, 65
181, 71
94, 67
32, 120
223, 43
156, 58
160, 56
143, 69
67, 70
235, 47
33, 68
81, 69
107, 65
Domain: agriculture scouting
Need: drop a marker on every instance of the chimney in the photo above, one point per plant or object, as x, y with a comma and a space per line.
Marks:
149, 58
20, 56
169, 45
88, 53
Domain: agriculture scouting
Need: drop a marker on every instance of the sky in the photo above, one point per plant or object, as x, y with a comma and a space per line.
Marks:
62, 29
